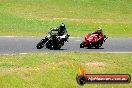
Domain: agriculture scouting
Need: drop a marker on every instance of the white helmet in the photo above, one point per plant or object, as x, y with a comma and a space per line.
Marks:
99, 29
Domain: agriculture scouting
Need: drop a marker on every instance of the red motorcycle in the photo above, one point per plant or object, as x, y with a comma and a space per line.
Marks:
93, 41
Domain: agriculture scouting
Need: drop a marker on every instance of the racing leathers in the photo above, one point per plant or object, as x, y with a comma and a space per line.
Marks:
61, 32
99, 35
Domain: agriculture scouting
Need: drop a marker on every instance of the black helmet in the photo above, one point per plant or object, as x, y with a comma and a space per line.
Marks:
62, 25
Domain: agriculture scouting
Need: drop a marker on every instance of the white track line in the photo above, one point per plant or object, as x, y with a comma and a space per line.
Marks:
23, 53
72, 51
111, 52
31, 36
8, 36
94, 52
16, 36
78, 40
75, 37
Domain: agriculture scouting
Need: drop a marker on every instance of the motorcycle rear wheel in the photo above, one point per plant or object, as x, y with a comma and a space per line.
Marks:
96, 46
55, 47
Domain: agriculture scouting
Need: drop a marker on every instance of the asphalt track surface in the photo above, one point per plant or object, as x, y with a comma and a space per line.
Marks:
9, 45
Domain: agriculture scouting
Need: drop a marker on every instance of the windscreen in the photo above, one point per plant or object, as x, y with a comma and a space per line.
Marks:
54, 32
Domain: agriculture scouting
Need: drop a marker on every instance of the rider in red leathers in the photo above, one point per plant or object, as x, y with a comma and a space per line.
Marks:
99, 33
95, 39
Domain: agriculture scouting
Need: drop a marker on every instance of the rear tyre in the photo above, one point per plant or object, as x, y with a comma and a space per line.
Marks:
40, 45
96, 46
56, 47
59, 46
100, 43
82, 44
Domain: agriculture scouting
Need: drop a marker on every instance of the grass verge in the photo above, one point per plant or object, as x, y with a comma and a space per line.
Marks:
58, 70
35, 17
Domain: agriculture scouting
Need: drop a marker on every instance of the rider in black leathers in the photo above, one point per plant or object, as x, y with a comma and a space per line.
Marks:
62, 32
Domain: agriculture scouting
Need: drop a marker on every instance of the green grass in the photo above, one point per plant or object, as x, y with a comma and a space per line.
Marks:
36, 17
41, 70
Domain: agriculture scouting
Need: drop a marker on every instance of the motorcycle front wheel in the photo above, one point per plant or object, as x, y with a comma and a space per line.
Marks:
82, 44
40, 45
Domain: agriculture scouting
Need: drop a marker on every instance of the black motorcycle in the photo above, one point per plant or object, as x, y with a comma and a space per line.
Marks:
53, 42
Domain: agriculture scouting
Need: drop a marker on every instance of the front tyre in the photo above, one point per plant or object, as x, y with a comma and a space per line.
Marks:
40, 45
82, 44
